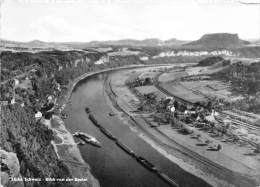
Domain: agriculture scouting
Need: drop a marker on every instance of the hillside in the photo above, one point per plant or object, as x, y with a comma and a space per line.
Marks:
37, 75
35, 44
218, 40
174, 42
27, 81
149, 42
256, 42
31, 141
244, 79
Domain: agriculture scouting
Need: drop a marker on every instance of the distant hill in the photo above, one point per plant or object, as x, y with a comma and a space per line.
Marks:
150, 42
175, 42
31, 44
218, 40
132, 42
37, 43
207, 41
256, 42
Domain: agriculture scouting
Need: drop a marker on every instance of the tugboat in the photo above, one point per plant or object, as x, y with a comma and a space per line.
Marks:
87, 110
111, 114
87, 138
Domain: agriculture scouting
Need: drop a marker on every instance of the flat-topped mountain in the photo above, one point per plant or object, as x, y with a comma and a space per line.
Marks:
218, 40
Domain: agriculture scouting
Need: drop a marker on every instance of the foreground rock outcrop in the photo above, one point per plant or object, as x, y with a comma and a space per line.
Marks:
10, 167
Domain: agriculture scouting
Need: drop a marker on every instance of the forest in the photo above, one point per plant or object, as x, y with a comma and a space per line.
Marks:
245, 80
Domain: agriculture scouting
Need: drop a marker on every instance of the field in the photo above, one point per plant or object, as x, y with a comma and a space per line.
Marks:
237, 155
210, 88
150, 89
180, 91
194, 91
171, 76
194, 84
150, 74
204, 70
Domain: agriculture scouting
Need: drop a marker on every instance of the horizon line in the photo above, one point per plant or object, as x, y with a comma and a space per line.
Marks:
111, 40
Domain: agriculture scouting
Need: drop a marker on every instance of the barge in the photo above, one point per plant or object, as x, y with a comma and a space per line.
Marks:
139, 159
146, 163
126, 148
92, 118
107, 133
167, 179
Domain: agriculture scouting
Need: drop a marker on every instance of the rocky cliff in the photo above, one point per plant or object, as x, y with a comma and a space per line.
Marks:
28, 79
31, 141
28, 141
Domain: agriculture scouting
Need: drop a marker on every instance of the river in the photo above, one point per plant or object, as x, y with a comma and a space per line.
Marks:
110, 164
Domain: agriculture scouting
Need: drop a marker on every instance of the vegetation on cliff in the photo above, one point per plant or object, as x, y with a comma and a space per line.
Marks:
46, 73
27, 80
31, 141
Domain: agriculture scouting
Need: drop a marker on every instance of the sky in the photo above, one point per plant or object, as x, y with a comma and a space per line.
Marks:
88, 20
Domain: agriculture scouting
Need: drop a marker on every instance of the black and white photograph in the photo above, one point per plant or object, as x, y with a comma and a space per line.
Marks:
130, 93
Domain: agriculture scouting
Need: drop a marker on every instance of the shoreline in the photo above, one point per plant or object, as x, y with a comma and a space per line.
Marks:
73, 155
146, 136
68, 152
163, 149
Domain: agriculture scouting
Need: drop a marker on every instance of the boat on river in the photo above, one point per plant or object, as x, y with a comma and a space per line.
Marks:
87, 110
146, 163
94, 121
167, 179
111, 114
126, 148
81, 143
87, 138
107, 133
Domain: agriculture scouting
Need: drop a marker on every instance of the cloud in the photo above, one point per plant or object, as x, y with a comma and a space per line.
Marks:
86, 20
52, 28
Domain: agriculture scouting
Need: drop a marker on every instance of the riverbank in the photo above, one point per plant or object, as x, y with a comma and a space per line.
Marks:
166, 147
68, 152
106, 161
64, 144
138, 125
